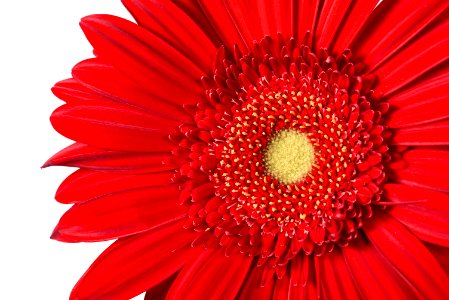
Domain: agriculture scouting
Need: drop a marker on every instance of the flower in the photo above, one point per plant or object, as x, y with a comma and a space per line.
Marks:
260, 149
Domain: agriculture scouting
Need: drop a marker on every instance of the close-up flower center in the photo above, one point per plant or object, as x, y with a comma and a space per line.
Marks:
289, 156
269, 169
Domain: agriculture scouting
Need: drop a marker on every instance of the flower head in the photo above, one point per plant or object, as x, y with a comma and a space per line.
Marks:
260, 149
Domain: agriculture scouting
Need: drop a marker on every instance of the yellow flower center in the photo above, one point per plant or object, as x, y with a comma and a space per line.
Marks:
289, 156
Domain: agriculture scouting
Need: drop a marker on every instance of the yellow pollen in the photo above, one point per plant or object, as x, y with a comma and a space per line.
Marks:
289, 156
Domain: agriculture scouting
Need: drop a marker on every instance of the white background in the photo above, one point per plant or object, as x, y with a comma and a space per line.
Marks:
40, 41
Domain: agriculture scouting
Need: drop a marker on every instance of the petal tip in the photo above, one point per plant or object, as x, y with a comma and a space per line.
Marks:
56, 235
47, 164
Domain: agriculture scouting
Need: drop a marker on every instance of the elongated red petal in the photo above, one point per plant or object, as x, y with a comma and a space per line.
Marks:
428, 218
119, 214
278, 15
177, 29
282, 288
252, 287
84, 156
295, 284
201, 279
84, 185
423, 103
108, 83
417, 58
310, 291
353, 24
425, 168
423, 135
217, 13
98, 83
431, 85
437, 157
73, 92
195, 12
256, 19
392, 25
441, 254
160, 291
139, 263
145, 58
114, 127
308, 11
374, 276
337, 282
408, 255
332, 15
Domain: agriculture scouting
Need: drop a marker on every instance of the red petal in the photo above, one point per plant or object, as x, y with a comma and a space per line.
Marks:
211, 276
177, 29
256, 19
310, 291
353, 23
160, 291
426, 168
106, 81
336, 279
427, 134
83, 156
307, 18
424, 102
143, 57
417, 58
408, 255
119, 214
428, 219
282, 288
252, 287
302, 285
217, 13
194, 11
84, 185
392, 25
73, 92
332, 15
245, 14
374, 276
278, 15
114, 127
297, 292
441, 254
137, 263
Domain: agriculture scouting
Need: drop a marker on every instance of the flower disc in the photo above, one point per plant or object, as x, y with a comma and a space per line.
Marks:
268, 168
289, 156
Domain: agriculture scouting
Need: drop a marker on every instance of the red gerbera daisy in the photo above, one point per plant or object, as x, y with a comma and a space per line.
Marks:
261, 150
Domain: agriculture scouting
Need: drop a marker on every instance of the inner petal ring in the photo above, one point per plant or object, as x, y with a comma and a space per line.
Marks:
286, 154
